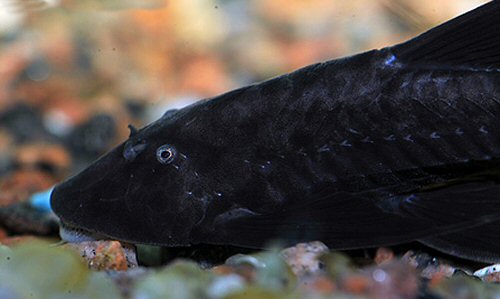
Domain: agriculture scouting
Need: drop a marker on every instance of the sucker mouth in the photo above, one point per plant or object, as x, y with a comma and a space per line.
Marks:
73, 234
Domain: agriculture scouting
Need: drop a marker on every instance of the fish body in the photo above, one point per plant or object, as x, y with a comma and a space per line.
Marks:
384, 147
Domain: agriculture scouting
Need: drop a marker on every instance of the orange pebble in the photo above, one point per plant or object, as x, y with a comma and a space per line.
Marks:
383, 255
323, 285
356, 284
109, 256
222, 270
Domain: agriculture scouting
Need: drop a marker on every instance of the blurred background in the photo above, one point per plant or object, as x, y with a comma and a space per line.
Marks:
74, 73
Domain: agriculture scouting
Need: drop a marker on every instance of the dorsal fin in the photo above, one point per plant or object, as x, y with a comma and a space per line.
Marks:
470, 41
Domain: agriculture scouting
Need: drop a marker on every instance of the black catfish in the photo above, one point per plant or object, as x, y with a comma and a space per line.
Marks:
385, 147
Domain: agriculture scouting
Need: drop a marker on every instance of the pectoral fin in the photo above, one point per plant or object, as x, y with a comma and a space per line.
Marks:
345, 221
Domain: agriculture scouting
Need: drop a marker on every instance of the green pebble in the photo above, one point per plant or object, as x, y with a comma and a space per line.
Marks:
37, 270
272, 271
463, 286
180, 280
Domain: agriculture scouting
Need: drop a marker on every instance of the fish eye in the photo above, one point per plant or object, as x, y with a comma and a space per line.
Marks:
165, 154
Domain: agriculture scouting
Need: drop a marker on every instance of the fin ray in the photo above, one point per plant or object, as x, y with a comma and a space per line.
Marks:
478, 243
470, 41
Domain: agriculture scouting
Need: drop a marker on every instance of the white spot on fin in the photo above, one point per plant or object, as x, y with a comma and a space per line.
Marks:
302, 152
346, 143
324, 148
390, 138
367, 140
483, 130
408, 138
354, 131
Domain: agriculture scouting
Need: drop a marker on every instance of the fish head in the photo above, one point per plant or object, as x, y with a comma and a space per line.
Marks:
147, 190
